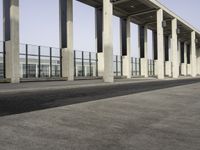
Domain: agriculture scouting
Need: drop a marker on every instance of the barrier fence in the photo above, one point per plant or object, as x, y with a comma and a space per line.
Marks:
2, 59
151, 68
117, 65
40, 61
135, 67
85, 64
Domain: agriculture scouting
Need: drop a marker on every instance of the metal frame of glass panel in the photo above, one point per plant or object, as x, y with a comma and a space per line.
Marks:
117, 66
151, 67
85, 64
40, 61
135, 67
2, 60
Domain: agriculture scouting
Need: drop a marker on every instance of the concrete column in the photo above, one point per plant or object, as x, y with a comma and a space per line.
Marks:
160, 38
174, 44
66, 38
99, 39
184, 64
11, 37
108, 74
167, 57
188, 60
126, 46
193, 55
198, 61
143, 50
155, 52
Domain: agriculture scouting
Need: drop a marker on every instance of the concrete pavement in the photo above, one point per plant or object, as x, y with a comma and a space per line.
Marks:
167, 119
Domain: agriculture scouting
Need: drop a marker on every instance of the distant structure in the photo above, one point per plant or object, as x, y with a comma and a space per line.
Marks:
176, 44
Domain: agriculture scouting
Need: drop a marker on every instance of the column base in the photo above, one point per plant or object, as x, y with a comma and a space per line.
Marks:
100, 64
168, 68
189, 69
183, 69
144, 67
127, 67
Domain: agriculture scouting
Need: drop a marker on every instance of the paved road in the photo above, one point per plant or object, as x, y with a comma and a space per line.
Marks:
154, 116
14, 103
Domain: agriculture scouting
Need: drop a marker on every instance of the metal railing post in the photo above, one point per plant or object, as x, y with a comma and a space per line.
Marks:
50, 50
75, 63
27, 61
61, 62
39, 61
90, 63
116, 66
4, 59
83, 71
121, 66
97, 64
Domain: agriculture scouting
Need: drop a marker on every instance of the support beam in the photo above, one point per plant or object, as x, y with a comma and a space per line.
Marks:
160, 43
108, 74
198, 61
184, 64
11, 37
143, 12
193, 54
155, 51
143, 50
126, 46
167, 40
155, 45
188, 59
174, 50
66, 38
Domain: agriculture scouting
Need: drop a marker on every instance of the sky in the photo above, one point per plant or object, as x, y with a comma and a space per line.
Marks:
39, 23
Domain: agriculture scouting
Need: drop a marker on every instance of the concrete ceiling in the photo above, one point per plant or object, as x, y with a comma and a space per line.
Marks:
143, 12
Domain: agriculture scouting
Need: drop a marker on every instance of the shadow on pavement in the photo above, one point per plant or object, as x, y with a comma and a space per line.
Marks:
31, 101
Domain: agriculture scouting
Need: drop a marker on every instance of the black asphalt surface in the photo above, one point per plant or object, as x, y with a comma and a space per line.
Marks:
16, 103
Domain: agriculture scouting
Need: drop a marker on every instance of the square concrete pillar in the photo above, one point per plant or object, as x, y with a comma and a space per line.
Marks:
184, 65
155, 52
193, 55
108, 74
11, 38
126, 46
160, 43
99, 39
198, 61
189, 70
168, 70
174, 50
143, 47
66, 38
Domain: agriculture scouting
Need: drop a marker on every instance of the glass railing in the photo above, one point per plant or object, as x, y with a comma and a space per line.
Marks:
151, 67
135, 67
85, 64
2, 59
117, 65
39, 61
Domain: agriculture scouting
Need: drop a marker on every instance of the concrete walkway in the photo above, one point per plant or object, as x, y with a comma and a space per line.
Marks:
54, 85
162, 119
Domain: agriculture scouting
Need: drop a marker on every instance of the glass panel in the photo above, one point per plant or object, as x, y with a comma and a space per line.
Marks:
86, 64
56, 62
1, 60
45, 62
